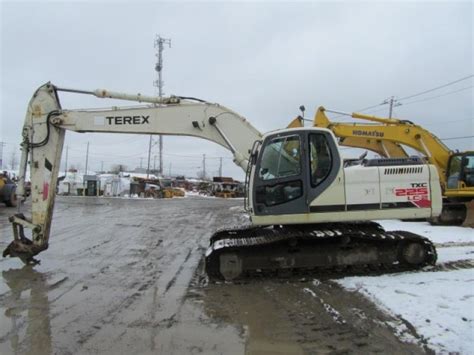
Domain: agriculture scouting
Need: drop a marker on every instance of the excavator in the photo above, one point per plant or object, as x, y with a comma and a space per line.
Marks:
7, 190
388, 136
308, 212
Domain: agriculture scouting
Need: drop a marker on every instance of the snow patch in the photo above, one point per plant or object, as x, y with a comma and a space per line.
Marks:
437, 234
447, 254
440, 305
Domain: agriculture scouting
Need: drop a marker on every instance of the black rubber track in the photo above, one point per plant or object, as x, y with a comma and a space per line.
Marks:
330, 236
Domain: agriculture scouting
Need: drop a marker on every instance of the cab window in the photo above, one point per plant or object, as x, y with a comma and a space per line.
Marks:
468, 170
454, 172
281, 158
320, 158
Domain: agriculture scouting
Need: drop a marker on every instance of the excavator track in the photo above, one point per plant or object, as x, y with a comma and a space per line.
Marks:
238, 253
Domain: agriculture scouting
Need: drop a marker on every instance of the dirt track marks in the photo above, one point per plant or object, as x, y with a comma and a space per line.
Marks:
304, 317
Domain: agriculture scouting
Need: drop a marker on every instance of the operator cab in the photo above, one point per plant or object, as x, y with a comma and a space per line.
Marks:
460, 171
292, 168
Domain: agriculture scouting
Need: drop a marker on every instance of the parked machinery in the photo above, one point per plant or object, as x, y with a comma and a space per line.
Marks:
225, 187
388, 137
307, 210
7, 190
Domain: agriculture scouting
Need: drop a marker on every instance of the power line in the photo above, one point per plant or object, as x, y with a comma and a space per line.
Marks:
438, 96
110, 155
358, 110
438, 87
374, 111
425, 99
393, 102
134, 139
451, 138
369, 107
444, 122
415, 95
195, 156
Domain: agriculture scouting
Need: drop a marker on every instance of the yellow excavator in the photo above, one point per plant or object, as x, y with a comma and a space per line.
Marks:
387, 136
7, 190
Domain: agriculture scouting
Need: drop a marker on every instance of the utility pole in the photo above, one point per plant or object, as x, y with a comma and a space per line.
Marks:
392, 102
84, 180
204, 166
2, 144
220, 166
65, 167
159, 43
169, 171
13, 160
102, 166
87, 157
149, 154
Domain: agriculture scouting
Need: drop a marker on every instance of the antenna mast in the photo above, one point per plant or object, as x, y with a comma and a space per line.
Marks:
160, 43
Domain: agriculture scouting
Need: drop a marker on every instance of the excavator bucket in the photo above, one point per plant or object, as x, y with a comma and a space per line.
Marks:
469, 220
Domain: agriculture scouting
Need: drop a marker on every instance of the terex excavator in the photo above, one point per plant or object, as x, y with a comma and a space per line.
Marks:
307, 210
388, 136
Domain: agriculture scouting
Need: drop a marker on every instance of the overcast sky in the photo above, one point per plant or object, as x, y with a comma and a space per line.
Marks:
262, 59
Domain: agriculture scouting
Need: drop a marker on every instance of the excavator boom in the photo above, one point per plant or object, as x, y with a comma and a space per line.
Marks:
43, 138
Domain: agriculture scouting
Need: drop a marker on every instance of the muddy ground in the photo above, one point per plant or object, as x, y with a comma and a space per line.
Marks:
124, 276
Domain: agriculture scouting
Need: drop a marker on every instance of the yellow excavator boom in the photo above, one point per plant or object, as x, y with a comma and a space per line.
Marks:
385, 149
398, 132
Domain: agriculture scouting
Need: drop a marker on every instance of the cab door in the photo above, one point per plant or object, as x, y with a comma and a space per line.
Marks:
281, 175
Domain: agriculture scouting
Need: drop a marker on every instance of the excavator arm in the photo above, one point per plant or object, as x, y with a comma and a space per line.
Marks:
43, 138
